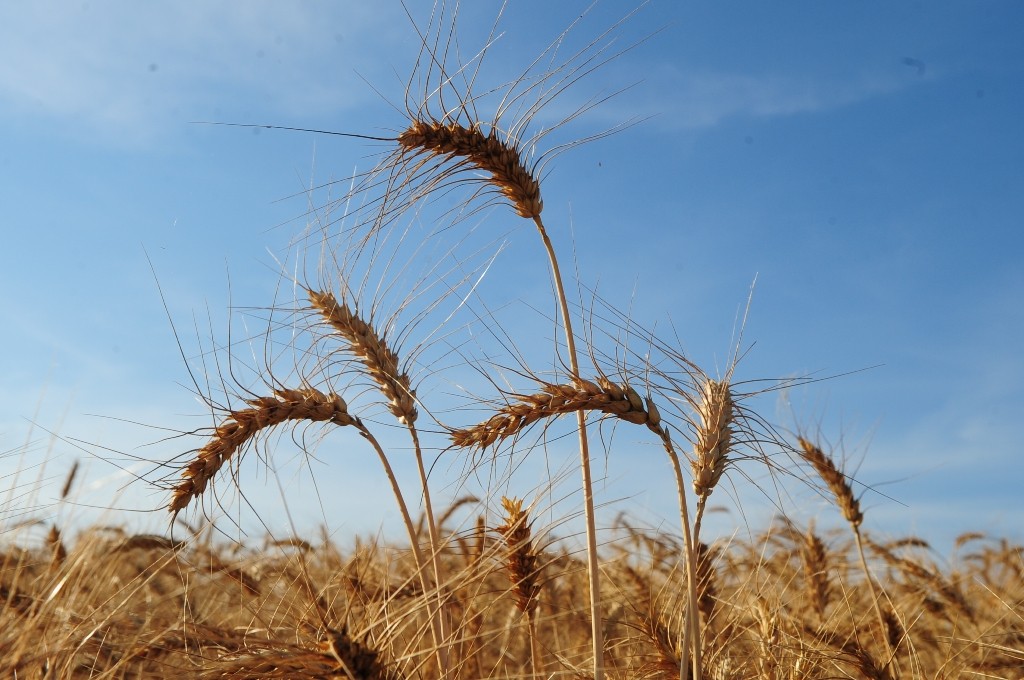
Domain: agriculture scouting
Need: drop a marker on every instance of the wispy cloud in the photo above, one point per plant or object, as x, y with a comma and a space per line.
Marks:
705, 99
118, 67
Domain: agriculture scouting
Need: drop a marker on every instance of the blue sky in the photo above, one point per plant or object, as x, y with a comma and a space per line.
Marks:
863, 161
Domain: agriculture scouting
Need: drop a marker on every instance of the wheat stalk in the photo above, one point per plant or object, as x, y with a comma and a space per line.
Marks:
382, 366
469, 147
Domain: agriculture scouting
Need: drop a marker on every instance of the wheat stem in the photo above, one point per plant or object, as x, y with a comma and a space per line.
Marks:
436, 619
593, 566
691, 629
383, 367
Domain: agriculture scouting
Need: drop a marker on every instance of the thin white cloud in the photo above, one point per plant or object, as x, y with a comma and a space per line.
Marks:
706, 99
116, 67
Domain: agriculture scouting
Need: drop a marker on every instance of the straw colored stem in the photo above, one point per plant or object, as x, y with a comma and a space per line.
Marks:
435, 548
691, 629
593, 566
383, 367
436, 627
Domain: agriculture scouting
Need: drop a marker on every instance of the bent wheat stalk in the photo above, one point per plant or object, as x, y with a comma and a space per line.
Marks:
469, 148
241, 427
691, 646
382, 365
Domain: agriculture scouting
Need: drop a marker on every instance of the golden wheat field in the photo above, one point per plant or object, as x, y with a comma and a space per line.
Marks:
357, 348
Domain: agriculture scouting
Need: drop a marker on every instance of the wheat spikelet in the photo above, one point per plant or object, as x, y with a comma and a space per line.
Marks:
523, 572
501, 160
58, 553
714, 436
555, 400
241, 426
814, 558
521, 555
381, 362
836, 481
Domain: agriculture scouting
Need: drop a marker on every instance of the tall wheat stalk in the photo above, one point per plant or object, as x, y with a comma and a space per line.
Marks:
470, 148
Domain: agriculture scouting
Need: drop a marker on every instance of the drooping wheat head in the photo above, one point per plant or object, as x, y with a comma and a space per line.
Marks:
240, 427
836, 481
471, 147
621, 402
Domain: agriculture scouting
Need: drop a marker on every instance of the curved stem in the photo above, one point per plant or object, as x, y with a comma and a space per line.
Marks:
435, 626
593, 566
435, 544
691, 635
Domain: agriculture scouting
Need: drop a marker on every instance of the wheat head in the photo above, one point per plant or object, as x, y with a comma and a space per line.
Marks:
500, 159
241, 426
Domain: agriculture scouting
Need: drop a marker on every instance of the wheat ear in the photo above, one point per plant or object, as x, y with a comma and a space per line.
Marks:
471, 147
814, 556
241, 426
713, 436
372, 349
554, 400
713, 442
521, 563
502, 161
849, 504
